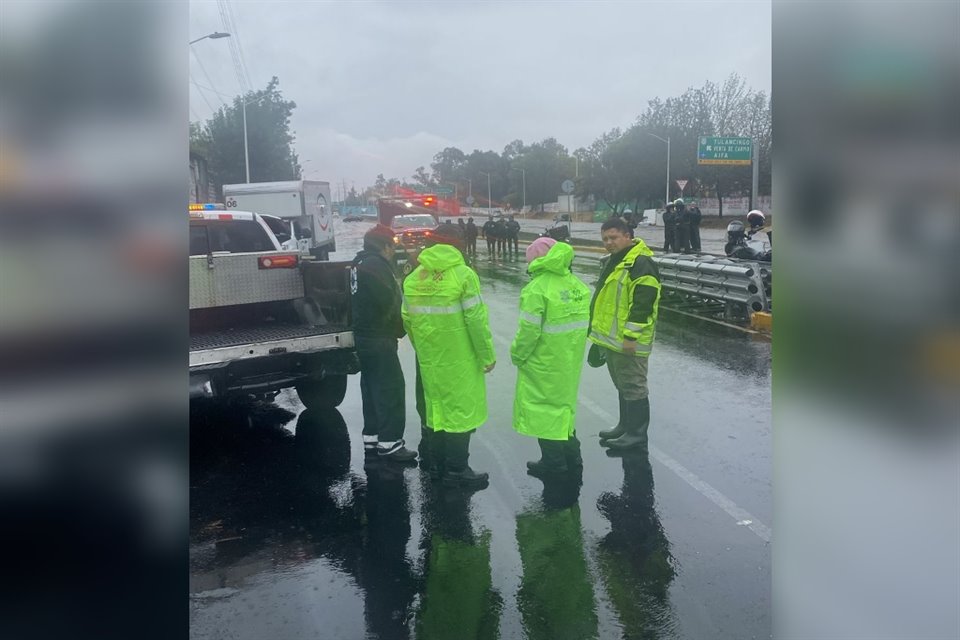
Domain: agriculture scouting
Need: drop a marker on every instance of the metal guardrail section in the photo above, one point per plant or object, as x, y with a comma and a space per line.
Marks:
742, 286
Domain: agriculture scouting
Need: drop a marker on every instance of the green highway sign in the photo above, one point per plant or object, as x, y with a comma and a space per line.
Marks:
440, 191
717, 150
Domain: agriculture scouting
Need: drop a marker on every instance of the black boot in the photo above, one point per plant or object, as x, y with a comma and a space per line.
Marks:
637, 425
572, 452
552, 459
458, 473
431, 452
424, 448
618, 430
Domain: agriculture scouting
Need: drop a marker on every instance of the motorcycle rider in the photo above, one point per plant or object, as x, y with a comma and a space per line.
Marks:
758, 222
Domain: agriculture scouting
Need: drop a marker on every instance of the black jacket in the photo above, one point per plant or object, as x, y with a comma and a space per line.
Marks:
375, 297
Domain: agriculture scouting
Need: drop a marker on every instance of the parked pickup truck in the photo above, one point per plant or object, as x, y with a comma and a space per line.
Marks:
262, 318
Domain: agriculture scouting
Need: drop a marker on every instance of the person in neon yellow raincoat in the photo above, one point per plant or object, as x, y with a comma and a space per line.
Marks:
548, 352
448, 325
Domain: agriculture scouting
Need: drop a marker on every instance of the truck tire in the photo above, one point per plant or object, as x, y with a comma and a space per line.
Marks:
323, 394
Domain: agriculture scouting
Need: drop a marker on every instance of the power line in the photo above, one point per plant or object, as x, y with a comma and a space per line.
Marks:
234, 46
236, 30
202, 95
200, 86
205, 74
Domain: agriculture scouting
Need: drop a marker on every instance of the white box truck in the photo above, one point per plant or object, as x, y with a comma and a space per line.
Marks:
304, 204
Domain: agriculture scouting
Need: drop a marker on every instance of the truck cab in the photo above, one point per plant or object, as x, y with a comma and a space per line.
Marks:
214, 231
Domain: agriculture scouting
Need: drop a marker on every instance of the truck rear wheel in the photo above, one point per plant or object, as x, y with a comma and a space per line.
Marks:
323, 394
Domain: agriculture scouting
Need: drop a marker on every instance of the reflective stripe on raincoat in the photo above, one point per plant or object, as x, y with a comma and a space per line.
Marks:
627, 302
448, 326
549, 345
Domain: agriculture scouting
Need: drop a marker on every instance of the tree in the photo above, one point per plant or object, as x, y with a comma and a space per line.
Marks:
449, 164
547, 164
726, 109
270, 140
422, 178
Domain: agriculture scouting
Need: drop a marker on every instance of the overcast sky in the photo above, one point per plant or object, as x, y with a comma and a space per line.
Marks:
381, 87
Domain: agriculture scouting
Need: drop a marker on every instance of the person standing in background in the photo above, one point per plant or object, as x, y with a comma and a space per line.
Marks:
695, 217
513, 237
669, 228
471, 237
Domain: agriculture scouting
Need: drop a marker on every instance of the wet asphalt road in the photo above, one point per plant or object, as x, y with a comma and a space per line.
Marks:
292, 537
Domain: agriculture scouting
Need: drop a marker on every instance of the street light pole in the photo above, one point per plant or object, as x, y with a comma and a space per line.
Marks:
666, 197
523, 175
489, 199
246, 148
216, 35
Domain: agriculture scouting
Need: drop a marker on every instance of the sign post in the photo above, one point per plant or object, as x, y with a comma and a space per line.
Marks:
681, 184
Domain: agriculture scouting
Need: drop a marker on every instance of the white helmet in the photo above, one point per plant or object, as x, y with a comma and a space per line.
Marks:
756, 218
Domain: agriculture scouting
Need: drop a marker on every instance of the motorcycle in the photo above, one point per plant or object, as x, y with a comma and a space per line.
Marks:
559, 232
742, 245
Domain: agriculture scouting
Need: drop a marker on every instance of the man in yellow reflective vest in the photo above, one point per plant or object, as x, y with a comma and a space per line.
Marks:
448, 325
622, 325
548, 354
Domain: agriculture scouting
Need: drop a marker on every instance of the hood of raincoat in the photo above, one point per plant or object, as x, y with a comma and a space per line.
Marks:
441, 257
557, 260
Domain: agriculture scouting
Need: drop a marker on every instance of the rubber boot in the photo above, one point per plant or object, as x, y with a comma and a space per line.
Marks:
458, 472
637, 426
618, 430
572, 452
552, 460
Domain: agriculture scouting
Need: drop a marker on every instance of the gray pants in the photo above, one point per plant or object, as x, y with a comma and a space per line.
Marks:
629, 374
